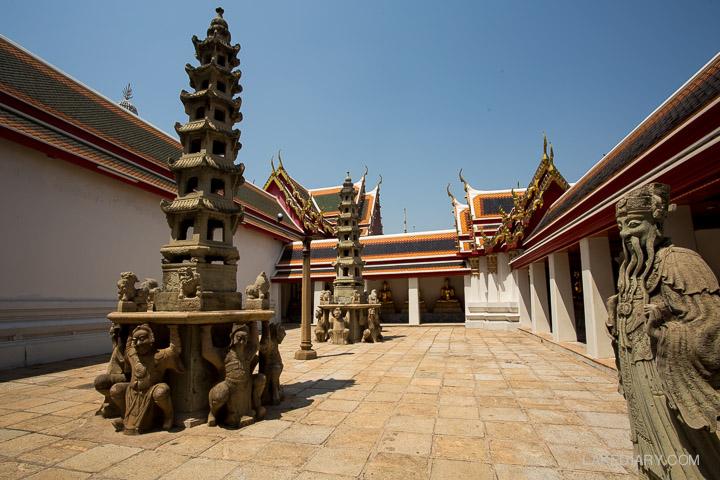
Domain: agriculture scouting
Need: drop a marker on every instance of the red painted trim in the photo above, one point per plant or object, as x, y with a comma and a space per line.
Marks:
680, 139
683, 178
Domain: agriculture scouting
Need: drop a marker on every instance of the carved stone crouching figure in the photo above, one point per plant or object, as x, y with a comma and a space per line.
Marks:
373, 297
257, 295
146, 390
372, 332
271, 364
322, 327
117, 372
339, 332
131, 299
239, 393
189, 283
665, 325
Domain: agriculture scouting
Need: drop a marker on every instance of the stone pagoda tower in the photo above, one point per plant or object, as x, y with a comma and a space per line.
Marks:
348, 285
200, 261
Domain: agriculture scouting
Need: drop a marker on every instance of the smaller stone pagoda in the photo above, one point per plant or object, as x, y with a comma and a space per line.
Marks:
349, 314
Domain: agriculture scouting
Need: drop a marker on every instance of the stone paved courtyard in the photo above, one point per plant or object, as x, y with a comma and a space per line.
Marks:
430, 402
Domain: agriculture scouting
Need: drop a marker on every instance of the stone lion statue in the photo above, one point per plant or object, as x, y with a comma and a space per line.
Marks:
189, 283
260, 289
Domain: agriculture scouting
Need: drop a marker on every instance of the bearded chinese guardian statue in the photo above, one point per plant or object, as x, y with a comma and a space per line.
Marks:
665, 324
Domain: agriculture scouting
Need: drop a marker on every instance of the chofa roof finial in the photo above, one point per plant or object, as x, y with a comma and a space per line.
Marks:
452, 197
545, 145
462, 179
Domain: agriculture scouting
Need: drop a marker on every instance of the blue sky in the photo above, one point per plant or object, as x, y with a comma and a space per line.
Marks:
415, 90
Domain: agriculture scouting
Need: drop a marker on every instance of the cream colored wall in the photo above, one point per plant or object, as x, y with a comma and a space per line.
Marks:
69, 232
258, 253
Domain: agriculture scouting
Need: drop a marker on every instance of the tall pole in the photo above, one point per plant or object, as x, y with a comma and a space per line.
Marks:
306, 352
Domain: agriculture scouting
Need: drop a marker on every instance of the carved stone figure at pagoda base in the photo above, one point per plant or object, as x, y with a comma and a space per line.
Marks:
665, 325
239, 394
372, 332
271, 364
322, 327
146, 389
118, 371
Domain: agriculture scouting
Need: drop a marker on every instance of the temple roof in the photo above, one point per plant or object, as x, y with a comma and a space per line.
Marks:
399, 255
46, 109
495, 220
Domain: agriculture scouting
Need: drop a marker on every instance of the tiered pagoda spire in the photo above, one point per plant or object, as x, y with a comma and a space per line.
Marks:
348, 282
203, 217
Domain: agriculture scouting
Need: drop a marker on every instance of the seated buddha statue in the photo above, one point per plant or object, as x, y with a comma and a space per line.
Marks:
448, 302
447, 292
386, 298
385, 293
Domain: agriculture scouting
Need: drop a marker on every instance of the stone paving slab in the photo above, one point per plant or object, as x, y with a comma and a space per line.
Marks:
429, 403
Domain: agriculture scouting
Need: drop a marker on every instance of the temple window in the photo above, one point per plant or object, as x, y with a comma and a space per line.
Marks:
221, 60
357, 272
205, 84
218, 148
345, 271
217, 186
215, 230
207, 59
191, 185
195, 145
200, 113
186, 229
221, 86
219, 115
346, 252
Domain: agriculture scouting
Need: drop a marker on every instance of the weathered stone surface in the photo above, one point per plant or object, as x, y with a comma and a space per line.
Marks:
665, 324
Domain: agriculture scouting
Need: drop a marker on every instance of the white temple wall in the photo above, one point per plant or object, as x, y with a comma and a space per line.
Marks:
491, 299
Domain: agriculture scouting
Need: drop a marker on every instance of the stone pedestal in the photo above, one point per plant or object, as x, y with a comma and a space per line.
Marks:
448, 306
189, 389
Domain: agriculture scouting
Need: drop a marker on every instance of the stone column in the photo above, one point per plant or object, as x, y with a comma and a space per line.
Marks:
539, 309
492, 279
598, 285
276, 302
679, 227
482, 280
317, 291
522, 276
413, 301
306, 351
561, 302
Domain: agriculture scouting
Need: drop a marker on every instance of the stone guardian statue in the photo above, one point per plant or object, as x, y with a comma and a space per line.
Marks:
146, 389
239, 393
665, 325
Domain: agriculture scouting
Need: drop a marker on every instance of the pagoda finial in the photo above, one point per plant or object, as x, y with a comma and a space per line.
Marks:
462, 179
127, 94
220, 11
545, 145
